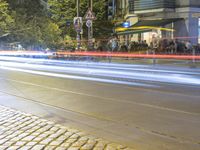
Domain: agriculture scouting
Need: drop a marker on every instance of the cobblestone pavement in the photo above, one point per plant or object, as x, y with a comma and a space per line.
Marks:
22, 131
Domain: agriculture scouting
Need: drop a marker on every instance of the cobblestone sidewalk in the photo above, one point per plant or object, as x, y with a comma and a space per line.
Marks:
22, 131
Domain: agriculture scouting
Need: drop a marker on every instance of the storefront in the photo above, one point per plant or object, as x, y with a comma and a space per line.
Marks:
144, 30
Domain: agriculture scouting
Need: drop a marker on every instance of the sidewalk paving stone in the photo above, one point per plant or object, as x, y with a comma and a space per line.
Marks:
23, 131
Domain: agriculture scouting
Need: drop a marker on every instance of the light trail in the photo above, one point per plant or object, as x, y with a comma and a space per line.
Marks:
51, 74
103, 75
24, 53
129, 55
95, 65
99, 54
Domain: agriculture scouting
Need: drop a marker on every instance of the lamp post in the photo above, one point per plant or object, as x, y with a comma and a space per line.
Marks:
77, 7
91, 7
90, 29
78, 33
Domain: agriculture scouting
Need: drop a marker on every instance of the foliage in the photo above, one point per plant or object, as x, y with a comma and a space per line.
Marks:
63, 10
51, 35
5, 18
32, 27
38, 24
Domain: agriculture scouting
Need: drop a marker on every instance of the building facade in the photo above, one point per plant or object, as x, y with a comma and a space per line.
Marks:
165, 18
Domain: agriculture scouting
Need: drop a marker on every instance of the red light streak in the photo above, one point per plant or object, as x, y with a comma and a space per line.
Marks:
129, 55
107, 54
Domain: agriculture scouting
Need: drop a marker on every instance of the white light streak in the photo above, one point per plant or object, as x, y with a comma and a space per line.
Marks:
103, 71
76, 77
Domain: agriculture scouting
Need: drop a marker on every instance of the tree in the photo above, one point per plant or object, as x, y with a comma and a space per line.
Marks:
32, 24
36, 23
51, 35
5, 18
62, 11
102, 27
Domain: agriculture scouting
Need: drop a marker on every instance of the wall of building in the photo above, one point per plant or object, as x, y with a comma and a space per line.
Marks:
195, 3
182, 3
187, 3
187, 29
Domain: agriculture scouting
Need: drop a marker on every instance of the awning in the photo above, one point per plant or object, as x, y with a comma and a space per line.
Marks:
146, 26
155, 23
133, 32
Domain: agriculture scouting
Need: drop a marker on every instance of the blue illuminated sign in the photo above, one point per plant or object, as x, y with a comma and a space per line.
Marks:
126, 24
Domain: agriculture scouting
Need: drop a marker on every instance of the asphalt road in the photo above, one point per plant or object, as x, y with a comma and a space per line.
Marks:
146, 107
